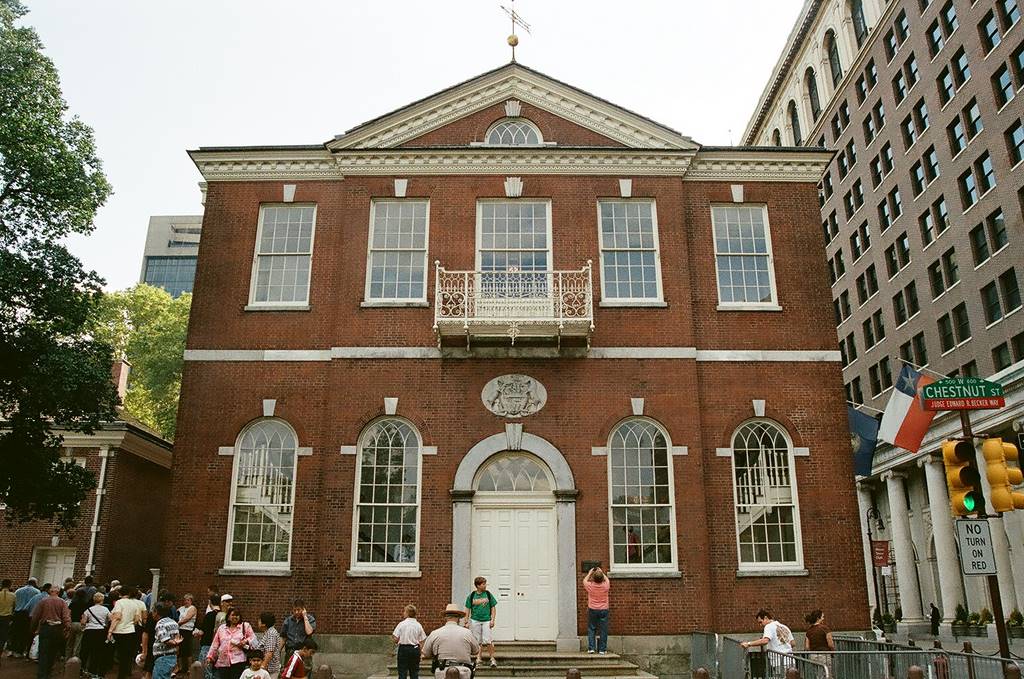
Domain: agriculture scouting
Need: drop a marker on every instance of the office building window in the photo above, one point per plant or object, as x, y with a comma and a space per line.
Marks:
174, 274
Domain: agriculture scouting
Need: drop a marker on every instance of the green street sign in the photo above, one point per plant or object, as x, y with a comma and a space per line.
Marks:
962, 393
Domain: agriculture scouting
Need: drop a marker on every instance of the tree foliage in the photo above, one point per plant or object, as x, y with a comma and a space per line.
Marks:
147, 327
52, 373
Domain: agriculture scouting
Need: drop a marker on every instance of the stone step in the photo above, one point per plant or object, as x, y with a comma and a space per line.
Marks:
518, 657
553, 667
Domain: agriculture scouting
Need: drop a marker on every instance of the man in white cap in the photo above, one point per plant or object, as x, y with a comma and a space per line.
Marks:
225, 606
451, 645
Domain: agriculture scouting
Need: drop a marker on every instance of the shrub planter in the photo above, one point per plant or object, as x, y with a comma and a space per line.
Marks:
1015, 632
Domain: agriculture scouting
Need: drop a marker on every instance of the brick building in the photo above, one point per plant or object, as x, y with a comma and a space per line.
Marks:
506, 330
921, 215
114, 538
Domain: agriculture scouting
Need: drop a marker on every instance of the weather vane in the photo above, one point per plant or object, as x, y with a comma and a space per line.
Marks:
517, 20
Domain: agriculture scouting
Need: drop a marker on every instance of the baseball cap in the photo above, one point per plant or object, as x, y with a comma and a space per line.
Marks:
226, 597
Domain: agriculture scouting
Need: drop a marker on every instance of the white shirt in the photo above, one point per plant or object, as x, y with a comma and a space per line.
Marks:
258, 674
191, 624
96, 617
771, 631
409, 632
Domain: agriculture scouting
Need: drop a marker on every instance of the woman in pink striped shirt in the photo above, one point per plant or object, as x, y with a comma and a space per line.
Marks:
227, 652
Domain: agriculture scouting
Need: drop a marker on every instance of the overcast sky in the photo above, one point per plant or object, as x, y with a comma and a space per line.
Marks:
156, 78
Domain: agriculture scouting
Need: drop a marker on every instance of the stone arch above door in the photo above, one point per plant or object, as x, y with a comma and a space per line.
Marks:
565, 511
498, 443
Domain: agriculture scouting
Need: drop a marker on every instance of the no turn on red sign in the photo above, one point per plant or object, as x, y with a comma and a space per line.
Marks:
977, 556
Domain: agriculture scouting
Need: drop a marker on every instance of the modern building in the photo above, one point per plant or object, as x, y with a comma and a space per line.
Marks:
172, 246
513, 330
113, 538
921, 217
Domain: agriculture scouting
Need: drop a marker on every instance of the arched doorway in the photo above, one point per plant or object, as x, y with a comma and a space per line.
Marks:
514, 544
518, 487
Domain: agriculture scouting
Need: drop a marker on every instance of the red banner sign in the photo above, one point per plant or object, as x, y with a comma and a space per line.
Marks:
880, 552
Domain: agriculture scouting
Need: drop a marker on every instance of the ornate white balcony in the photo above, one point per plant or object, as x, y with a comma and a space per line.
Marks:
513, 304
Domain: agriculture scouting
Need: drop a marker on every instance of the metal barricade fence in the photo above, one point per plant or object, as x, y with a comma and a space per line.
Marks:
704, 652
976, 666
776, 665
732, 660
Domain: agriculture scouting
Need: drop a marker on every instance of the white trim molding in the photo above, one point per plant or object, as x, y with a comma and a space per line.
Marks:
758, 404
269, 406
722, 165
606, 353
637, 405
598, 451
680, 450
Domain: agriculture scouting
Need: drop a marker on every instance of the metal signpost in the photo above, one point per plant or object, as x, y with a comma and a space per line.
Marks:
965, 394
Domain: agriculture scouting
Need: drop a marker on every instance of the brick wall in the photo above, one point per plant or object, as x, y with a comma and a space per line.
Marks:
700, 404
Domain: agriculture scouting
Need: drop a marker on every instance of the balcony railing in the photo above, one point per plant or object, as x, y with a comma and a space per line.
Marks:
514, 304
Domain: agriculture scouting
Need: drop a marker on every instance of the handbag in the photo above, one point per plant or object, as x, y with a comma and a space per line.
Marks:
33, 651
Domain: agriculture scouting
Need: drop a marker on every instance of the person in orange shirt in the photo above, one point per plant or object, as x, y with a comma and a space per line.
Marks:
597, 585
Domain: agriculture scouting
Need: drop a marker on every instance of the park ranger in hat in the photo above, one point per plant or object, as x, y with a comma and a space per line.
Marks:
451, 645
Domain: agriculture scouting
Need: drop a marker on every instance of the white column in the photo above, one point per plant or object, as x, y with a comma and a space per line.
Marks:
462, 518
906, 569
864, 503
942, 532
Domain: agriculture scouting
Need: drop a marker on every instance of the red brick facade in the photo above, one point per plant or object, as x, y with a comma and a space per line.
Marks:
700, 403
128, 540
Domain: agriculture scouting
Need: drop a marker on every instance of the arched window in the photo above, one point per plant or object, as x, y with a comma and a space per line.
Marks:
812, 92
514, 132
834, 64
514, 473
767, 517
794, 122
388, 495
641, 497
776, 137
262, 495
860, 26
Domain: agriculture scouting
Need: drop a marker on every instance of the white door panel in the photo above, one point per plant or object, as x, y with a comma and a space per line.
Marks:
514, 548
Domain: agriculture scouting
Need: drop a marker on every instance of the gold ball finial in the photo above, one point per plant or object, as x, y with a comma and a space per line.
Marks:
513, 40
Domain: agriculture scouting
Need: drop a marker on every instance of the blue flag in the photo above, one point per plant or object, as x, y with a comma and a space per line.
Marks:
863, 439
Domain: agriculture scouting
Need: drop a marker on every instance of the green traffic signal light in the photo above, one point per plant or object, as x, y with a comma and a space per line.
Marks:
969, 502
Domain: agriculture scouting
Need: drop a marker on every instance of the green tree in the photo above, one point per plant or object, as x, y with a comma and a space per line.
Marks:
147, 327
52, 373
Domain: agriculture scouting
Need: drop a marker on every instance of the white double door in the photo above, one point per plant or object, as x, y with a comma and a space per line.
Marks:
53, 564
514, 547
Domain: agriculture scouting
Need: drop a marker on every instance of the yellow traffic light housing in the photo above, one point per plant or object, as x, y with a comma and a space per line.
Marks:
1002, 477
962, 477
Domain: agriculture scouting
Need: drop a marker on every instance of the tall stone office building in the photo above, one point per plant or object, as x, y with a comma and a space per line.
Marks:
921, 213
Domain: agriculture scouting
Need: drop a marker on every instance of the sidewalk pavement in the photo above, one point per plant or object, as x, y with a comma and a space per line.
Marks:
20, 668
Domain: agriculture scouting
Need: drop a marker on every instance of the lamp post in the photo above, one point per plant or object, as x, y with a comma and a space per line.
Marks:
872, 515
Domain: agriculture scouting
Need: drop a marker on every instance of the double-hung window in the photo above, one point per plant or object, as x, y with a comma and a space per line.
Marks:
514, 249
396, 268
630, 270
387, 502
284, 250
764, 482
262, 496
743, 256
641, 502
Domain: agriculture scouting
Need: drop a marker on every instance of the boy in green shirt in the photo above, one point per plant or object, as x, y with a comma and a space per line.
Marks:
482, 606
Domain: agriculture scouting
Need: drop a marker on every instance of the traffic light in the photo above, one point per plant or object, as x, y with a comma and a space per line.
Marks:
1002, 477
962, 477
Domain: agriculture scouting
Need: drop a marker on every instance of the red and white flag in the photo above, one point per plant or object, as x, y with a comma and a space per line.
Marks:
905, 422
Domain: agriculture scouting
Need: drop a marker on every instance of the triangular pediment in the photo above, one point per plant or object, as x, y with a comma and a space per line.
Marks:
518, 83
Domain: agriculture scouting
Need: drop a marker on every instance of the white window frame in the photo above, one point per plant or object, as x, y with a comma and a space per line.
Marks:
642, 569
397, 301
773, 305
659, 299
229, 563
513, 119
384, 568
480, 226
783, 566
304, 304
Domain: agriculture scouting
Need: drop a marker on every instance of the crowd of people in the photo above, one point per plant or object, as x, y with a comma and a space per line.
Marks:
114, 625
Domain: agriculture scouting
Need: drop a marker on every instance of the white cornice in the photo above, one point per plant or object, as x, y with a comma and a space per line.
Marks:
713, 165
513, 161
512, 82
264, 164
774, 166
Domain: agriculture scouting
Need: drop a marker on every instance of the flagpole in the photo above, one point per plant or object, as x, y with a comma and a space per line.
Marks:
922, 368
858, 406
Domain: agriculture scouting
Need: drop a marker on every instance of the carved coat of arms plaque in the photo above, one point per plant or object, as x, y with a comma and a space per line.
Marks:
514, 396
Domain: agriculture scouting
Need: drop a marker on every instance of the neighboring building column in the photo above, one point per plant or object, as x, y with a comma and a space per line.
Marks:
906, 569
1004, 567
864, 503
945, 541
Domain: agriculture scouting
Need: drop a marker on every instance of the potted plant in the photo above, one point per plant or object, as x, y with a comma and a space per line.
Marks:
960, 621
975, 628
1015, 625
888, 623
